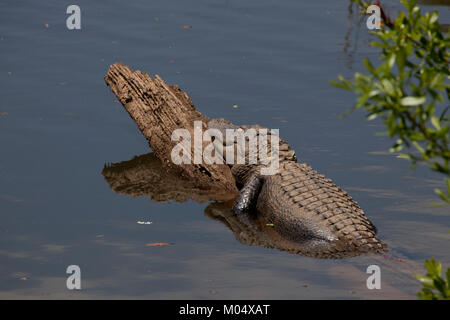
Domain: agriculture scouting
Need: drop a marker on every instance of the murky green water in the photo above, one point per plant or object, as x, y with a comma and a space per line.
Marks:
60, 124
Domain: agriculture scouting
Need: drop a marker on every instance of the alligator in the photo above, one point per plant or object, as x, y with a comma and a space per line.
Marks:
300, 203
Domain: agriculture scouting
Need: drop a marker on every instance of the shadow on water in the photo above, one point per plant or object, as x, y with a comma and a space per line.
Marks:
348, 49
146, 176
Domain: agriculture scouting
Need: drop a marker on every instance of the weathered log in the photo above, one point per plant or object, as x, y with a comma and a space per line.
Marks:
158, 109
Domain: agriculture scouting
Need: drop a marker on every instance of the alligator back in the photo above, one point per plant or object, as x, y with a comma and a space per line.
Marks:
308, 207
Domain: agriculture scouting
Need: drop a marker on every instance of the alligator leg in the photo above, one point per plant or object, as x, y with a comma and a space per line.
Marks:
248, 196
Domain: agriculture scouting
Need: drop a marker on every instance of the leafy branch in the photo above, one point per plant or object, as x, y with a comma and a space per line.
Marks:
434, 287
409, 89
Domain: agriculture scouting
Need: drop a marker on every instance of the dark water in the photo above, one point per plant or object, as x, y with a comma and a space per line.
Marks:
60, 124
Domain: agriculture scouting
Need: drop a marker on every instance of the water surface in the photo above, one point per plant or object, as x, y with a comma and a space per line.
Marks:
60, 124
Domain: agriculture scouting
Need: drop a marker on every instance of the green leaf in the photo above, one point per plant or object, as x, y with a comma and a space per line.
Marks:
442, 195
404, 156
388, 86
401, 58
391, 60
434, 17
418, 147
369, 66
426, 281
435, 122
341, 85
412, 101
448, 277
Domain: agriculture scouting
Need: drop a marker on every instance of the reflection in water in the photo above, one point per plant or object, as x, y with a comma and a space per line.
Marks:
350, 52
145, 176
